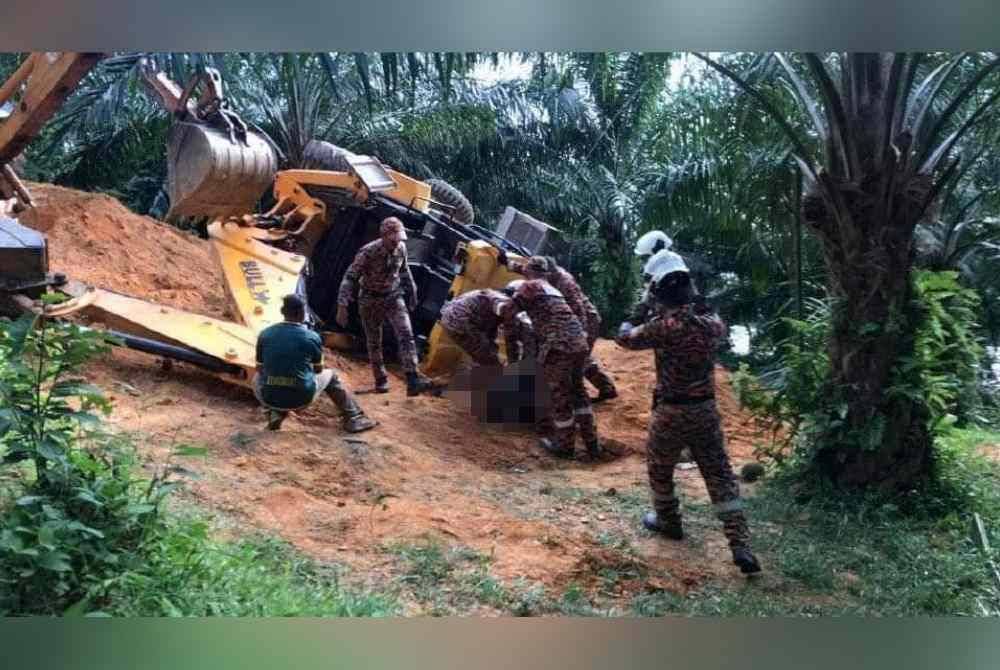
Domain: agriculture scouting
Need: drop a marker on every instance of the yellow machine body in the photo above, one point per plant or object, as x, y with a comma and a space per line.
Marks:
212, 176
257, 275
482, 269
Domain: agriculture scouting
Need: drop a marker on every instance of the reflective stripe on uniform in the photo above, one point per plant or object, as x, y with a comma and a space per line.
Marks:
583, 410
563, 424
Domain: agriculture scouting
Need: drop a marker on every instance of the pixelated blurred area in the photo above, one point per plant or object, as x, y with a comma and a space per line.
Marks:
513, 396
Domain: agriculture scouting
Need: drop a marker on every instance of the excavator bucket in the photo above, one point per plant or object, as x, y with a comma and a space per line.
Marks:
212, 174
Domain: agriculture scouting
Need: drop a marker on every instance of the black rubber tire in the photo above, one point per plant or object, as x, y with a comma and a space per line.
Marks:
445, 193
320, 155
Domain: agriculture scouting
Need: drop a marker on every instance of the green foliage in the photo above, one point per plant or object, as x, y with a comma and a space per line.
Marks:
947, 353
784, 399
82, 516
796, 408
186, 573
82, 532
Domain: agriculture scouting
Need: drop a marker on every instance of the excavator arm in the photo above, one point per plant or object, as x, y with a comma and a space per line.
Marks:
215, 168
35, 92
28, 99
215, 165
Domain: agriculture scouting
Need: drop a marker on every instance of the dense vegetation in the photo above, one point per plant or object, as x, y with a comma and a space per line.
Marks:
843, 208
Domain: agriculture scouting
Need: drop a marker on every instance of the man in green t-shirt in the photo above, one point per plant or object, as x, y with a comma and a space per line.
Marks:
290, 372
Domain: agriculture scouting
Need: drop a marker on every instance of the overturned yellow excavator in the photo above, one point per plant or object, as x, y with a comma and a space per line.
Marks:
218, 168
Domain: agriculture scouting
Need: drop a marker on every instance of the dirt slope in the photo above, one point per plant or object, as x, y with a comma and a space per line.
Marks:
427, 472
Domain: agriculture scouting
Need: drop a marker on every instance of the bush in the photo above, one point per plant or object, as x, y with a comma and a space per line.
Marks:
81, 532
76, 515
790, 400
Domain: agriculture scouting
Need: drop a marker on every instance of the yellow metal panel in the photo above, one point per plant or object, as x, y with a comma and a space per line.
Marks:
443, 355
257, 275
409, 191
224, 340
289, 184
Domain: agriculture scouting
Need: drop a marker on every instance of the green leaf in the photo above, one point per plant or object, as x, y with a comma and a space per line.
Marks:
77, 526
25, 501
51, 512
88, 496
56, 561
76, 389
47, 537
52, 451
7, 420
140, 508
54, 298
10, 541
169, 608
18, 333
85, 418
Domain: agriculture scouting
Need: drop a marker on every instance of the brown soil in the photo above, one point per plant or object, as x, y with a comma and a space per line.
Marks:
95, 239
427, 471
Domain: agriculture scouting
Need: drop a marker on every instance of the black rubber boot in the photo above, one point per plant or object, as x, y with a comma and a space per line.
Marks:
548, 446
359, 423
417, 383
605, 394
381, 378
275, 419
672, 529
745, 560
594, 451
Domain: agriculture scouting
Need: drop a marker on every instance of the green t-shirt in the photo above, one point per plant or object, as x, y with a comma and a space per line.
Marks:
287, 352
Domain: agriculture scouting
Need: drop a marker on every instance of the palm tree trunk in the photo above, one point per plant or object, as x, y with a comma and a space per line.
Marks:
871, 438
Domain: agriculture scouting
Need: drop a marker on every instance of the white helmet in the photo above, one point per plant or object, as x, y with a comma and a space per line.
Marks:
663, 263
649, 242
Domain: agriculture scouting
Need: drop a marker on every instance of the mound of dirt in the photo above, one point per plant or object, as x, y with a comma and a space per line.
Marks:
428, 470
95, 239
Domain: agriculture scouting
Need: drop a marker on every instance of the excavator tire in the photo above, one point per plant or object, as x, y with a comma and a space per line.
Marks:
443, 192
320, 155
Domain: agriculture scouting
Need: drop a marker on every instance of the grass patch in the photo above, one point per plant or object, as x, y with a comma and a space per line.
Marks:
451, 580
909, 555
188, 574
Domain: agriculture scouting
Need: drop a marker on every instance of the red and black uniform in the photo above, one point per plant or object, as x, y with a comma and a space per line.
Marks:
562, 352
473, 321
588, 315
685, 413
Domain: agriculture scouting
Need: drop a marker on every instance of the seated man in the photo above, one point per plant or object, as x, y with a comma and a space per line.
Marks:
290, 373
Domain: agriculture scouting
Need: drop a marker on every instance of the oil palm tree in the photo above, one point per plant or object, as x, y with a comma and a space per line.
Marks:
883, 131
